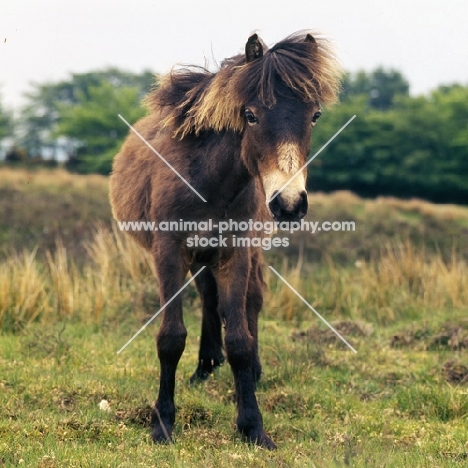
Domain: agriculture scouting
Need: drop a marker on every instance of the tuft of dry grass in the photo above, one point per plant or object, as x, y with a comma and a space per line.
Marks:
404, 274
402, 278
23, 295
30, 290
64, 281
118, 267
105, 270
117, 255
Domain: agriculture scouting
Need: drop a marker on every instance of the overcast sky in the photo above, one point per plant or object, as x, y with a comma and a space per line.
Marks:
45, 40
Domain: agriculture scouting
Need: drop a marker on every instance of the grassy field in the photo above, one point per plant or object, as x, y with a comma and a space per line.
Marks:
73, 290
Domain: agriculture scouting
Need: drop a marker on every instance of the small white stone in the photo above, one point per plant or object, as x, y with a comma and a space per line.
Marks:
104, 406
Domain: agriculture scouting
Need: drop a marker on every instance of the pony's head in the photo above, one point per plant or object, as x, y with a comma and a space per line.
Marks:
282, 90
279, 112
273, 97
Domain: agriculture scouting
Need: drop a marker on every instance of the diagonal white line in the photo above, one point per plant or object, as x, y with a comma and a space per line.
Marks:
312, 158
158, 154
313, 310
161, 309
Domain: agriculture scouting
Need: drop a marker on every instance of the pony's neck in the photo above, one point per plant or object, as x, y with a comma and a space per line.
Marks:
226, 180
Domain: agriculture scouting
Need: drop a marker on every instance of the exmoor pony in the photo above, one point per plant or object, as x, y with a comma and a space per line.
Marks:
230, 141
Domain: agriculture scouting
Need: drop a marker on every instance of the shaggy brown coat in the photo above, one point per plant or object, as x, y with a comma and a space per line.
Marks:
237, 136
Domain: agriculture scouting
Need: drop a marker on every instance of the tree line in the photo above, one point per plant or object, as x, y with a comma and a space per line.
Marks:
397, 145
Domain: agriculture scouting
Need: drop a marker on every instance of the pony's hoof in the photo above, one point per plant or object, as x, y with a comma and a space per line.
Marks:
161, 432
161, 436
260, 438
265, 442
204, 370
198, 376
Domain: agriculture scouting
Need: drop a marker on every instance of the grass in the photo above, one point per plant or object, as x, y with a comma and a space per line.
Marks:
396, 289
323, 405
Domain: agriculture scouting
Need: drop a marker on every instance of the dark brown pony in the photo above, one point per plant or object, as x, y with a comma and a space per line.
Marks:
237, 136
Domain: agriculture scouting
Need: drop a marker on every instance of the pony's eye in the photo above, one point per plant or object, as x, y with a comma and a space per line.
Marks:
316, 116
250, 116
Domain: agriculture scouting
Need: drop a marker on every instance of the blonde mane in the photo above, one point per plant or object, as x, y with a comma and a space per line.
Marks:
194, 100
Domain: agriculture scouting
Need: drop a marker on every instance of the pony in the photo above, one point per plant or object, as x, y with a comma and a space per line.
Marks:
236, 137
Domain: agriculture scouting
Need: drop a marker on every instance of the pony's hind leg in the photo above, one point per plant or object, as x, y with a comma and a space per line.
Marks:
210, 355
171, 268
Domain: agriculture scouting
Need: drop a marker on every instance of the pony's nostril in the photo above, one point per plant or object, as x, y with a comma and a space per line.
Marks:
275, 205
282, 211
303, 205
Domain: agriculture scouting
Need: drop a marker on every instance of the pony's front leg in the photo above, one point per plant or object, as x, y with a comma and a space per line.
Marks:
171, 267
232, 277
253, 308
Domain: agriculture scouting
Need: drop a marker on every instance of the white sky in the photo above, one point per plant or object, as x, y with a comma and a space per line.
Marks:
45, 40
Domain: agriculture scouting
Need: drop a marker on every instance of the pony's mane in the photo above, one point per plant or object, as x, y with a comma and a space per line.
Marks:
194, 99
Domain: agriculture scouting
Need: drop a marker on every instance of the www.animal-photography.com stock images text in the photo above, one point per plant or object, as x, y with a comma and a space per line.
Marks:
233, 235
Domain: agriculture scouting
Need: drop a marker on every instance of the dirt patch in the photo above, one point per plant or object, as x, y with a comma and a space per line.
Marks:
414, 338
455, 372
65, 401
452, 336
138, 416
346, 328
195, 414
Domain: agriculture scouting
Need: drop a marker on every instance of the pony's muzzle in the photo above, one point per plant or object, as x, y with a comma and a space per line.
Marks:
283, 210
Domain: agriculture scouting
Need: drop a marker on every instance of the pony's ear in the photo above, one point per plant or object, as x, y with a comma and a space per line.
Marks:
253, 48
311, 43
